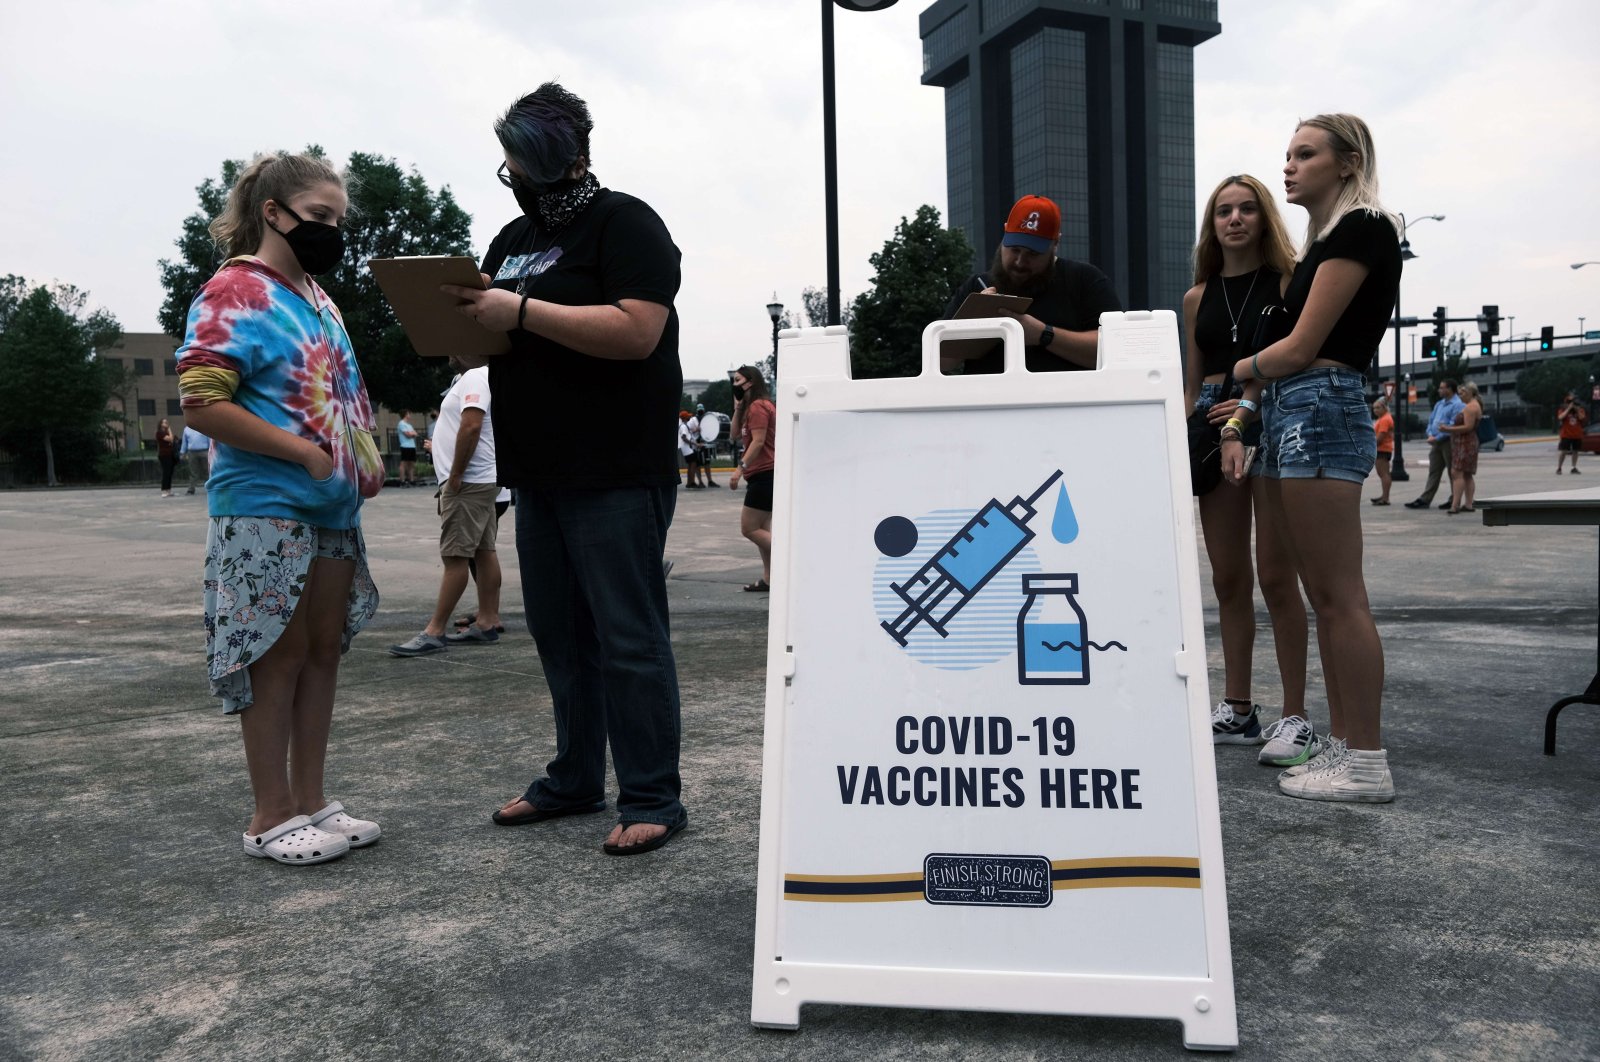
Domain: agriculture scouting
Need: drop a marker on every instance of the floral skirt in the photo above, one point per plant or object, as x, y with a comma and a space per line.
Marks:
256, 569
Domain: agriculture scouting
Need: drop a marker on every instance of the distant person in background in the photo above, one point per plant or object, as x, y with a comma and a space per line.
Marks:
1444, 412
1570, 421
1383, 428
166, 455
1463, 435
463, 461
408, 449
708, 450
755, 423
689, 449
195, 449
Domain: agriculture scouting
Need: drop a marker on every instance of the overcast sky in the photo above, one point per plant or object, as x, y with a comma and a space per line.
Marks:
112, 113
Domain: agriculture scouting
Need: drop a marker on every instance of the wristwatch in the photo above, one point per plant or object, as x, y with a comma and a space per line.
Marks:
1047, 337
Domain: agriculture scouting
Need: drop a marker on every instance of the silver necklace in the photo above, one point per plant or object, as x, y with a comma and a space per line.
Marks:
1233, 318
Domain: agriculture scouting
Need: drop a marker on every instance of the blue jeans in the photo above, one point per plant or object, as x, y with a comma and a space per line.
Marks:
1317, 424
596, 600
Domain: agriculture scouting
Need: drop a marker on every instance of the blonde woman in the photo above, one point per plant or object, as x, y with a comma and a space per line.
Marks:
1464, 450
267, 371
1317, 444
1242, 262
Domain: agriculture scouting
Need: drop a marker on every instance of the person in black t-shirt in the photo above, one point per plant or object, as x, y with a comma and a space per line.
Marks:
1242, 261
1062, 326
584, 281
1317, 444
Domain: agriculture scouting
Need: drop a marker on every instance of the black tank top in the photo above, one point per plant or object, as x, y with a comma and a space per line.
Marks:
1214, 328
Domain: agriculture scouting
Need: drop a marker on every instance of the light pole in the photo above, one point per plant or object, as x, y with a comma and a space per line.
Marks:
830, 151
774, 311
1580, 265
1398, 464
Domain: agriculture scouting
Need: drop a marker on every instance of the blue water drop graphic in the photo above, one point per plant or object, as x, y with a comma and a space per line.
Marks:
1064, 526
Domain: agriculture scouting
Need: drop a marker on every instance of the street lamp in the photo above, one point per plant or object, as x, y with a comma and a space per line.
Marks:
830, 151
1398, 464
775, 311
1580, 265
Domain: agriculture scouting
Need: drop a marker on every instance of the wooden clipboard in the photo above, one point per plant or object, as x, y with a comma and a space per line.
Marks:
980, 305
431, 321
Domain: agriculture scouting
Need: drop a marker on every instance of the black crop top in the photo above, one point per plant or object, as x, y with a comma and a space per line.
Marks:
1370, 239
1214, 334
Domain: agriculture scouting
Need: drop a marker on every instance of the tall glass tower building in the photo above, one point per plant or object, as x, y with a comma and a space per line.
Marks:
1089, 102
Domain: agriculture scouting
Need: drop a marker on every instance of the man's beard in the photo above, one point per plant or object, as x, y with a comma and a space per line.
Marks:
1009, 283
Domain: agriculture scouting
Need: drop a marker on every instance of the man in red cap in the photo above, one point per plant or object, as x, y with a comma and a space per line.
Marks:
1061, 327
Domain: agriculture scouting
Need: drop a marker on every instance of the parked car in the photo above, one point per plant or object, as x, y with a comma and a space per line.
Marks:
1489, 437
1591, 440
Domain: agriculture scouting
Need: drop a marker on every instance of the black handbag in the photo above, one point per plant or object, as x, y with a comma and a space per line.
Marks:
1205, 445
1273, 325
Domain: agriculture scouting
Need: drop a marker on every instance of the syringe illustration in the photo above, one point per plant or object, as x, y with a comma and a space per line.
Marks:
964, 565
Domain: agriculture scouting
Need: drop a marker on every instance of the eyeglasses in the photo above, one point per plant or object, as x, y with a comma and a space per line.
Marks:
511, 180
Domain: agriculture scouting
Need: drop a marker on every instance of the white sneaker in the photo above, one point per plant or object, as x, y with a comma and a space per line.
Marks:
358, 832
1361, 776
1332, 750
1290, 740
1228, 728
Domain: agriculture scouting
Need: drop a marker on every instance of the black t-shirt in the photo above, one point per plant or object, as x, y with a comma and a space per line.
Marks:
622, 415
1219, 346
1371, 239
1072, 301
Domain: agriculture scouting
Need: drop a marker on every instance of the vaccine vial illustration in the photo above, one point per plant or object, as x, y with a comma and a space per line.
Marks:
1052, 633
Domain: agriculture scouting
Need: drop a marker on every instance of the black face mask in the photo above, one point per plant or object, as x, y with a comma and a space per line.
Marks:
317, 247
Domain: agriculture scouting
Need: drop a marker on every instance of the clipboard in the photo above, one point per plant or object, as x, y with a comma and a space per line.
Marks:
431, 321
980, 305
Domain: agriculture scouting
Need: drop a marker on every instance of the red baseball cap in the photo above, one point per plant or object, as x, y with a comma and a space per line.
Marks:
1034, 223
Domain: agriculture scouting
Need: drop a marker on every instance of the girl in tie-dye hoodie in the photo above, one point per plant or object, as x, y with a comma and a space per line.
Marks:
267, 370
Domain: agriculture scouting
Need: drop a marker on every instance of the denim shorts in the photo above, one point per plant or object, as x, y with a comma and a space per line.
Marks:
1316, 424
1210, 395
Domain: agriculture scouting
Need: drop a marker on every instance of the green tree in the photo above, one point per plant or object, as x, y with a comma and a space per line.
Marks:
52, 388
718, 397
1544, 384
815, 304
392, 213
914, 274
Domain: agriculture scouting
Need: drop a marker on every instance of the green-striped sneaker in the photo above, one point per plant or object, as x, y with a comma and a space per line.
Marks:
1290, 740
1333, 750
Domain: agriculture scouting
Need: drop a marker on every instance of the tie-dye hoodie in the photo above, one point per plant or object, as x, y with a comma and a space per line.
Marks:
297, 371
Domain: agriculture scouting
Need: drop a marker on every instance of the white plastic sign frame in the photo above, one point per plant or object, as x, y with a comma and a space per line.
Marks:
988, 781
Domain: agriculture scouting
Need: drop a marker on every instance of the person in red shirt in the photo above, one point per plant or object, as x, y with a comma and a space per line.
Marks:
1570, 419
754, 421
1383, 428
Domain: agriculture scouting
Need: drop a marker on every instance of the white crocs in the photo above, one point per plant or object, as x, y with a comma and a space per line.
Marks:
296, 841
359, 832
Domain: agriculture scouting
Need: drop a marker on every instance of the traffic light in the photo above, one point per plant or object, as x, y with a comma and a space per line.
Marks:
1491, 317
1430, 346
1485, 341
1441, 317
1547, 337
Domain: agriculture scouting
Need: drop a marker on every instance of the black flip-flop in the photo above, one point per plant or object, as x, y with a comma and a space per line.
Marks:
539, 814
646, 846
760, 586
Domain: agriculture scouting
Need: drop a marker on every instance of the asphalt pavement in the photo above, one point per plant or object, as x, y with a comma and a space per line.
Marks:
1457, 923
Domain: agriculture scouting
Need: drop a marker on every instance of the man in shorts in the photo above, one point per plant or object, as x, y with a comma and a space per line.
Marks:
1570, 420
463, 459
